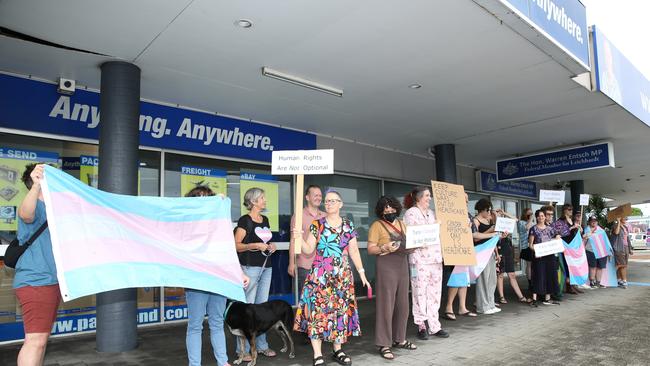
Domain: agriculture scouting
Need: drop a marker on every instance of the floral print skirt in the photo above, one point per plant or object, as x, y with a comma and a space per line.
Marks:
328, 307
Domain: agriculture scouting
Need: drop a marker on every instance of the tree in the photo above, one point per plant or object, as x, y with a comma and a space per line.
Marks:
636, 212
598, 208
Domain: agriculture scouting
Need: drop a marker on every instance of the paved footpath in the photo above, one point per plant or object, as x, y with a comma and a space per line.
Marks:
600, 327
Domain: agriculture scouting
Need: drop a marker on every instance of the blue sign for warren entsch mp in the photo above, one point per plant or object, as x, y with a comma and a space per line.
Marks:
563, 21
555, 162
487, 182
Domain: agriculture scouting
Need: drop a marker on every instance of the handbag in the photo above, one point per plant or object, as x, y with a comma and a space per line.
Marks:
15, 250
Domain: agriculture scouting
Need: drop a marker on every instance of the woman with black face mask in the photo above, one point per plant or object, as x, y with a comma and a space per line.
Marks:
386, 240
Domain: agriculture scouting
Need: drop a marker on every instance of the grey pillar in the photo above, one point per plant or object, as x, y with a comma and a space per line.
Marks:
577, 188
445, 163
118, 173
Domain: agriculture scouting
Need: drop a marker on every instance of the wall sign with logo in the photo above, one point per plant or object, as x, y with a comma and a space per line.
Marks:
270, 186
36, 106
562, 21
555, 162
193, 177
487, 182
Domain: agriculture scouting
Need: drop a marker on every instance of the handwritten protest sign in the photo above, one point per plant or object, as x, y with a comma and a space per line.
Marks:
548, 247
584, 199
422, 235
551, 196
455, 233
620, 211
505, 224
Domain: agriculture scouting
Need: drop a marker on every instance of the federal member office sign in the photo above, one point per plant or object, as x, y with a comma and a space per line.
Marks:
588, 157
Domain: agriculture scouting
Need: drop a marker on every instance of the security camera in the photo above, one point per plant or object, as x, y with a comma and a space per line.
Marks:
66, 86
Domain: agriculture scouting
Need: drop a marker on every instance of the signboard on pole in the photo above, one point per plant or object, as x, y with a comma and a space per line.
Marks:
584, 199
422, 235
551, 196
505, 224
548, 247
455, 233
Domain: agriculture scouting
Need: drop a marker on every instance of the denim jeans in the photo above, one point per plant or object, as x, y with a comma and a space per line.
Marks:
200, 303
257, 293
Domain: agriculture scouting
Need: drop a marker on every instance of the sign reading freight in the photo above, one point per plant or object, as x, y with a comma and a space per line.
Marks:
296, 162
551, 196
487, 182
562, 21
12, 189
192, 177
270, 186
36, 106
455, 233
554, 162
617, 78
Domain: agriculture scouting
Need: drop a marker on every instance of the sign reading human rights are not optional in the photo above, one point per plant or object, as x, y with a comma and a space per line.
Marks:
308, 162
455, 233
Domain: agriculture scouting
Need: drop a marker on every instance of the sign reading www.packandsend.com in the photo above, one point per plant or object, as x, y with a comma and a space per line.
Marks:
36, 106
561, 161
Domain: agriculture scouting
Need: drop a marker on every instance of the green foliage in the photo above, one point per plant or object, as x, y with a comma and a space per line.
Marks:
598, 208
636, 211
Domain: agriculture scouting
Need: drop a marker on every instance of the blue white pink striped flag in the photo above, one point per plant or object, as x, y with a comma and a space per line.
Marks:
608, 276
576, 260
600, 242
103, 241
461, 276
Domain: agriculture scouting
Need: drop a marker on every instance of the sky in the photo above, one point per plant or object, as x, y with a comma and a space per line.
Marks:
625, 22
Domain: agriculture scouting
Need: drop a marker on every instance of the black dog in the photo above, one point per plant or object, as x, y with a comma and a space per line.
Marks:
247, 321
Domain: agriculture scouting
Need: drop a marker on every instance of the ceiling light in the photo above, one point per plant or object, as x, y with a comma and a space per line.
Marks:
243, 23
415, 86
295, 80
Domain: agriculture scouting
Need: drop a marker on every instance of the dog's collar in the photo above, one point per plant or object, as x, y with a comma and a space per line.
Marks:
225, 313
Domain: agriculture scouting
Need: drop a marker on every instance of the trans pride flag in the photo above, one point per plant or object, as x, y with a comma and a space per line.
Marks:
599, 242
576, 260
103, 241
461, 276
608, 276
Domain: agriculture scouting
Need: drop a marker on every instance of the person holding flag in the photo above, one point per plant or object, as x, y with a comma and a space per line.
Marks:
486, 283
598, 248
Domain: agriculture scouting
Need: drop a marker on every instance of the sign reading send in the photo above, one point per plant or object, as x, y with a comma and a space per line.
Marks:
36, 106
562, 21
562, 161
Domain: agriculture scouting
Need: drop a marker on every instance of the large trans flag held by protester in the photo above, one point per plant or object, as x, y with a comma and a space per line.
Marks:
576, 260
461, 276
103, 241
599, 242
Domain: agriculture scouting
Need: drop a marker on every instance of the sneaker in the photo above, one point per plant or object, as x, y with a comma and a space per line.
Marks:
601, 286
593, 284
441, 333
422, 334
624, 284
492, 311
585, 287
550, 302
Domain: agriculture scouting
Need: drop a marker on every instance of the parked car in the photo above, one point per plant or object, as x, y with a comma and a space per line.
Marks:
639, 240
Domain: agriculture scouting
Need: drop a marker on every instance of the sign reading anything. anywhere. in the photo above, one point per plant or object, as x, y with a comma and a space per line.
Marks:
562, 161
455, 233
36, 106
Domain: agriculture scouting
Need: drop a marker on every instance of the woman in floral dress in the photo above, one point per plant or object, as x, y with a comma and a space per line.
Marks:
328, 308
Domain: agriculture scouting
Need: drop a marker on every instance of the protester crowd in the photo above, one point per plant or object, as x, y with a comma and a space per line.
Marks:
327, 308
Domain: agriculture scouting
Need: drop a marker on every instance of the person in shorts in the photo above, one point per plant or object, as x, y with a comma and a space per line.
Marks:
35, 281
596, 265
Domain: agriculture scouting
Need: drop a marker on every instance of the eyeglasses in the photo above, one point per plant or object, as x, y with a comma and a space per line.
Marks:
332, 201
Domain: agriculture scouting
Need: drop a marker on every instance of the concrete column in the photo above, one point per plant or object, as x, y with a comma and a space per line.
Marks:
119, 139
577, 188
445, 163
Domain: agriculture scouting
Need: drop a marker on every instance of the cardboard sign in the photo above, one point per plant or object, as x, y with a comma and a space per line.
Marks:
584, 199
549, 247
551, 196
505, 224
455, 232
310, 162
620, 211
422, 235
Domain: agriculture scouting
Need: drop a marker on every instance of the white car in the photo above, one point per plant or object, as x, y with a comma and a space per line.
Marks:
639, 241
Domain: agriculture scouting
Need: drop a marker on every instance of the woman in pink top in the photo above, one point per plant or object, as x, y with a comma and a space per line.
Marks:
426, 267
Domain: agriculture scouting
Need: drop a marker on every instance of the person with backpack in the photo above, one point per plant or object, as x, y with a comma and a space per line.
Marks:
35, 281
254, 248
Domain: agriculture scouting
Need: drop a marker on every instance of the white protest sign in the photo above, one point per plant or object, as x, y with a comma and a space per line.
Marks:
505, 224
551, 196
549, 247
309, 162
584, 199
422, 235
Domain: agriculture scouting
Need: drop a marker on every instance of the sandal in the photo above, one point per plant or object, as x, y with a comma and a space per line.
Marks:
343, 359
525, 300
318, 361
469, 314
406, 345
502, 300
268, 352
449, 316
386, 353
